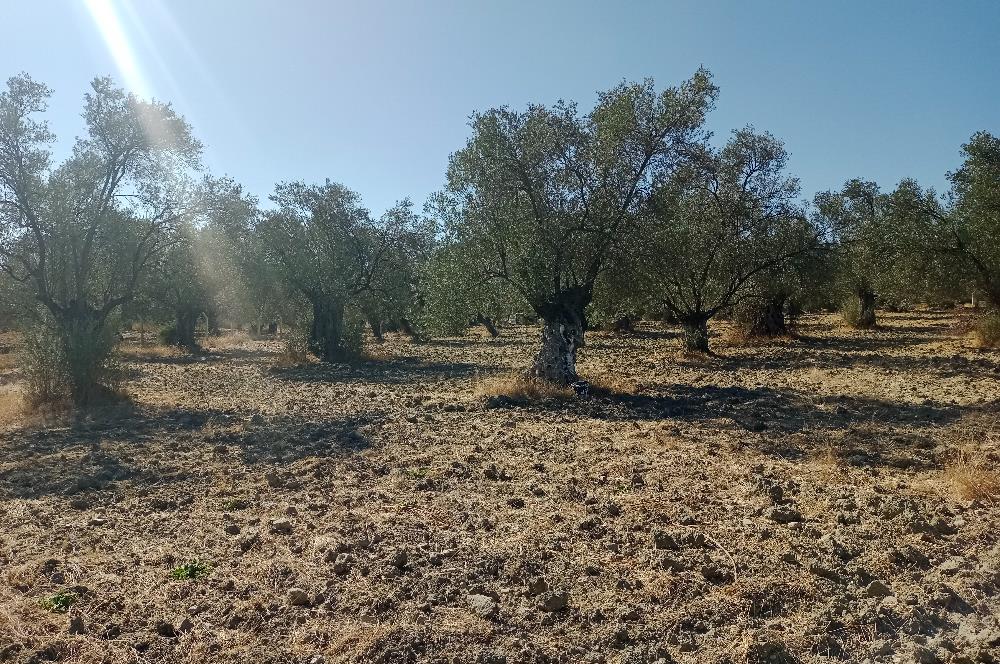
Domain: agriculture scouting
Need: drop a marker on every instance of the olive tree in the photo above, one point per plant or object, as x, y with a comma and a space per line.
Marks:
541, 200
863, 224
960, 233
180, 287
331, 252
394, 295
715, 230
79, 235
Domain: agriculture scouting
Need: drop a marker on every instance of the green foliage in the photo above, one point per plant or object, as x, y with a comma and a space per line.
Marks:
538, 200
988, 330
963, 231
453, 296
850, 312
726, 228
60, 602
68, 360
79, 235
190, 571
329, 249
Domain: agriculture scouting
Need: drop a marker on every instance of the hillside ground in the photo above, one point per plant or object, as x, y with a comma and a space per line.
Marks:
831, 497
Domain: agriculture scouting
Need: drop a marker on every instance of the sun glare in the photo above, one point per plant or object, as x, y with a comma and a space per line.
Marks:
109, 24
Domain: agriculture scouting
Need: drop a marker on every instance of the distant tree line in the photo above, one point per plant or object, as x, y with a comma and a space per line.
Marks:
576, 219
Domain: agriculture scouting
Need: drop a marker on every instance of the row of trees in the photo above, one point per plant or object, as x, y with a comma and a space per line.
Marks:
625, 211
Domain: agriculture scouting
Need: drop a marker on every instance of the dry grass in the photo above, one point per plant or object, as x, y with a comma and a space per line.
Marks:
987, 331
610, 385
973, 478
227, 341
137, 352
12, 407
8, 361
521, 388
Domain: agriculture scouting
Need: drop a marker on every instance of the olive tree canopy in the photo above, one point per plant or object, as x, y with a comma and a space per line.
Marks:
542, 200
725, 221
80, 234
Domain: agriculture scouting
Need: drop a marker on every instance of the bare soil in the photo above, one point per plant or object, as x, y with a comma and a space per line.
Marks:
813, 499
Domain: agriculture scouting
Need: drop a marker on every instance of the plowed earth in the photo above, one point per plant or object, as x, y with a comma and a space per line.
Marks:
816, 499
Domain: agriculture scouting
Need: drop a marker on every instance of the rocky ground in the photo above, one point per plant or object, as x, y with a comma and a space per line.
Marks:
825, 498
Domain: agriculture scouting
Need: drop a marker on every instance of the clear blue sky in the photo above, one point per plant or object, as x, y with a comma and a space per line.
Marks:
377, 94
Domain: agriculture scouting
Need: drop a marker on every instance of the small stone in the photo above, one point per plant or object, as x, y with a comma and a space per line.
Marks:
483, 606
232, 529
717, 574
185, 626
400, 559
537, 586
298, 597
342, 563
664, 540
877, 589
782, 514
516, 503
76, 625
274, 480
826, 573
163, 628
281, 526
554, 601
848, 519
924, 655
672, 563
589, 523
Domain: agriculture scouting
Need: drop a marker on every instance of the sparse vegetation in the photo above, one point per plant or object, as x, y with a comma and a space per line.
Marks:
190, 571
988, 330
397, 437
60, 602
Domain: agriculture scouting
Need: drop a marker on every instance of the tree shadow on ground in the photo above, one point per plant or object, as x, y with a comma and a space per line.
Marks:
146, 447
395, 370
826, 356
502, 341
770, 418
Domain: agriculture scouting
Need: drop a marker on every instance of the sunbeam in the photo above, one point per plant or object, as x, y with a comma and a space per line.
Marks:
108, 23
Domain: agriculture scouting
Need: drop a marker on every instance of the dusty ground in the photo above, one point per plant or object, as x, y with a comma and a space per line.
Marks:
809, 500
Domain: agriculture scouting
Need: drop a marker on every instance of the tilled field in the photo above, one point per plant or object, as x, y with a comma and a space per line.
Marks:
817, 499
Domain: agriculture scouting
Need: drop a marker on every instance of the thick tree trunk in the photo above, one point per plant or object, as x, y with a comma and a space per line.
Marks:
409, 330
866, 310
185, 322
623, 324
695, 329
375, 323
488, 324
212, 322
564, 324
993, 293
769, 319
326, 335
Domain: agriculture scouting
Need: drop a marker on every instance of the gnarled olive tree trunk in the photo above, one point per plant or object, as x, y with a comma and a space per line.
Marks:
375, 323
487, 322
564, 323
326, 335
866, 309
695, 329
769, 319
185, 322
